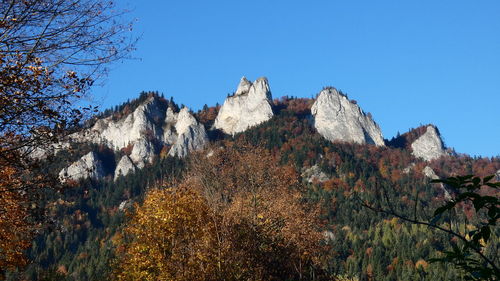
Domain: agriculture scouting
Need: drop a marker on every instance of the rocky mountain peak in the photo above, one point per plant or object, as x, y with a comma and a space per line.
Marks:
170, 116
124, 167
151, 122
150, 125
243, 87
89, 166
143, 152
338, 119
191, 134
248, 107
185, 120
428, 146
130, 128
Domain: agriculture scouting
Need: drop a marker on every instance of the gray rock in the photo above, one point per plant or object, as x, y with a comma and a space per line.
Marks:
250, 106
497, 174
124, 167
338, 119
170, 116
191, 134
143, 153
429, 172
118, 134
428, 146
89, 166
314, 173
150, 123
408, 169
328, 236
126, 204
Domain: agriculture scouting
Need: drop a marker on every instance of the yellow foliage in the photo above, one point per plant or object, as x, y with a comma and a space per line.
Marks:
171, 239
236, 216
421, 263
15, 229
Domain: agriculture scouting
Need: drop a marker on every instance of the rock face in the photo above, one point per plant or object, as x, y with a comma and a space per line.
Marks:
497, 174
428, 146
338, 119
150, 126
429, 172
89, 166
146, 119
143, 153
249, 106
191, 134
314, 174
124, 167
151, 122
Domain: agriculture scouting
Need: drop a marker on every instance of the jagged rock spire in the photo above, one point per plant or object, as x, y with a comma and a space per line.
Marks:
428, 146
338, 119
243, 87
250, 106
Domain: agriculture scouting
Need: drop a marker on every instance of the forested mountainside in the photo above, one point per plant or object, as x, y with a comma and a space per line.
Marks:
336, 149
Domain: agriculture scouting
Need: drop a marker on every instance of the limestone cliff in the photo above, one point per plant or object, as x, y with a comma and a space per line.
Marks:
338, 119
249, 106
124, 167
89, 166
428, 146
191, 135
151, 125
145, 119
143, 153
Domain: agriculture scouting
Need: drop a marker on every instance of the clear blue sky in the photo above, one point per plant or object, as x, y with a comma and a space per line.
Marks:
407, 62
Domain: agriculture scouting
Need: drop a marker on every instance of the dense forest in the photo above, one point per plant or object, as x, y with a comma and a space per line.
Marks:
254, 189
86, 222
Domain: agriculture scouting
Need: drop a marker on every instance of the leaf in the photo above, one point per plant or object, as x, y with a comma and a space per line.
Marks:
492, 212
486, 232
476, 181
444, 208
436, 218
488, 178
494, 185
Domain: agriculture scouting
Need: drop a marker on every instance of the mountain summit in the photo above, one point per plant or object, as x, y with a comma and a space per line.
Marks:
338, 119
249, 106
428, 146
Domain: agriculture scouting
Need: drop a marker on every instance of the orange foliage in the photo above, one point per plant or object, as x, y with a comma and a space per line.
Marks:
236, 216
421, 263
15, 229
128, 149
208, 115
335, 183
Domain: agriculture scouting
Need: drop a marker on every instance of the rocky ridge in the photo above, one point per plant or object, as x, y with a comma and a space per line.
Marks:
89, 166
154, 124
249, 106
314, 174
191, 135
428, 146
151, 125
336, 118
124, 167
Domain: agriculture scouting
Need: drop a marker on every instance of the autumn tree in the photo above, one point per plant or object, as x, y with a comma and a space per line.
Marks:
251, 218
172, 239
13, 225
51, 52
